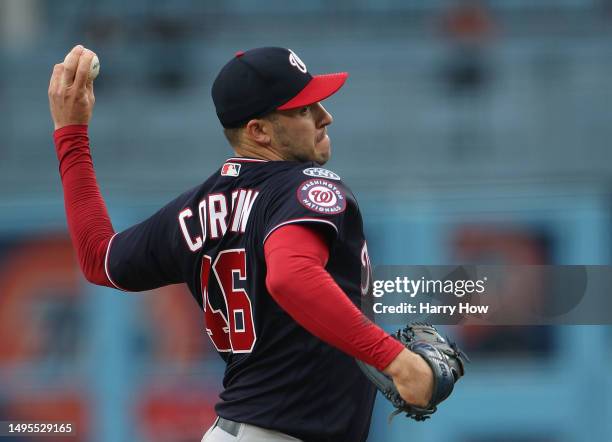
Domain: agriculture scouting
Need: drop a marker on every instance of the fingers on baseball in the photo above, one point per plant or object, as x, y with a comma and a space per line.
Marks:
82, 73
90, 78
70, 64
89, 86
56, 79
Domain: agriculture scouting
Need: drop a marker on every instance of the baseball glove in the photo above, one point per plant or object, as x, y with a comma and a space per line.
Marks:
446, 360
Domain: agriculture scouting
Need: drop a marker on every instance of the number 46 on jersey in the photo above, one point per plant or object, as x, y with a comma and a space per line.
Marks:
236, 332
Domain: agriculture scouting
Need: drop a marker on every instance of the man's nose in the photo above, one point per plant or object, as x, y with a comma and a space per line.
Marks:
325, 118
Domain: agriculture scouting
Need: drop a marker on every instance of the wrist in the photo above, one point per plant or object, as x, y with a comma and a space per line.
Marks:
72, 138
70, 129
400, 364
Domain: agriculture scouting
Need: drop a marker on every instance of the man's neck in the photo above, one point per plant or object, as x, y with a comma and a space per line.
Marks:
259, 152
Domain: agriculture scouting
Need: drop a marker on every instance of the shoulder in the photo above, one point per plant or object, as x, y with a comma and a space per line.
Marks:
309, 186
293, 173
315, 171
293, 177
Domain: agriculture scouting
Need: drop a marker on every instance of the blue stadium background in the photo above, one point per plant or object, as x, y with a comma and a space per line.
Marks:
469, 131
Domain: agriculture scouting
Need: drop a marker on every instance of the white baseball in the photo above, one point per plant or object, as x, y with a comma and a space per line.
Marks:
94, 69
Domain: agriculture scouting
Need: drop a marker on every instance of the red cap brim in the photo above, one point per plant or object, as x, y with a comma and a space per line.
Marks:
318, 89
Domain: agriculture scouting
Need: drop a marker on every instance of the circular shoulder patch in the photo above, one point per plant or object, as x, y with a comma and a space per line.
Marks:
319, 172
321, 196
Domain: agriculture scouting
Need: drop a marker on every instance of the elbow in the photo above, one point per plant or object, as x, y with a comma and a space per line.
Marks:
278, 283
93, 279
97, 277
91, 261
93, 269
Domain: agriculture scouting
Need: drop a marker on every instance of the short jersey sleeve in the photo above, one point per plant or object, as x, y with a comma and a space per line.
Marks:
307, 195
145, 256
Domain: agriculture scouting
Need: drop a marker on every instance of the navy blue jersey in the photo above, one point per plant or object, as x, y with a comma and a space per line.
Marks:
278, 375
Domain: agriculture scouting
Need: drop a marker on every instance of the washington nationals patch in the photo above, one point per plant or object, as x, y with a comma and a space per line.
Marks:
321, 196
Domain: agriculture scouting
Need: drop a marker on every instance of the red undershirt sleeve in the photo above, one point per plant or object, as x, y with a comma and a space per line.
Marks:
296, 256
88, 221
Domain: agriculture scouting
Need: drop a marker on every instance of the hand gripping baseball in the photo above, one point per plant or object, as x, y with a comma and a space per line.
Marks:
446, 360
71, 94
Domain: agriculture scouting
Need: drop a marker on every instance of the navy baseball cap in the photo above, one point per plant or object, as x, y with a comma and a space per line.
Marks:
262, 80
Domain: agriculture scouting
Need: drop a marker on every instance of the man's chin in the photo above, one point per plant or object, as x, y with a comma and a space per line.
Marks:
321, 160
323, 154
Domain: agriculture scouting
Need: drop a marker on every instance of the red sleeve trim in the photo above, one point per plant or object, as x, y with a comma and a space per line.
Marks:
298, 282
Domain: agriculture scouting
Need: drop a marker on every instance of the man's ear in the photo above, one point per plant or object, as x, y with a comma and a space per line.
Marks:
259, 130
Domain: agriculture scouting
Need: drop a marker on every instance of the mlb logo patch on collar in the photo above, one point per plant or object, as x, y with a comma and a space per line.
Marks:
230, 169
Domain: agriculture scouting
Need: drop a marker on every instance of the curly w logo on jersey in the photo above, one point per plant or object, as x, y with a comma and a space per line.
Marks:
321, 196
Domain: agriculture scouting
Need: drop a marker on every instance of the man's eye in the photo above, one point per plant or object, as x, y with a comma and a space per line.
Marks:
304, 110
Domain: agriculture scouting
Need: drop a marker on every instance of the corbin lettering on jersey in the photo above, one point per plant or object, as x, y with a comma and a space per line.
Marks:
213, 216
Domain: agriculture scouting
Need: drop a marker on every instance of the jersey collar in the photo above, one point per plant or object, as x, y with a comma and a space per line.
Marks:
246, 160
